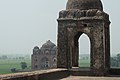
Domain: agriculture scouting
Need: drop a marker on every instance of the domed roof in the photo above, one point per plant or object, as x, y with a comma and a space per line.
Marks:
48, 44
36, 50
84, 4
36, 47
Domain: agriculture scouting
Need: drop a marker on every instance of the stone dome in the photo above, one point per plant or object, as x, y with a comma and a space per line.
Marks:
48, 44
36, 50
84, 4
36, 47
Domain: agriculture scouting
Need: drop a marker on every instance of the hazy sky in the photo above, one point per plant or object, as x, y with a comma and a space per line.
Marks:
27, 23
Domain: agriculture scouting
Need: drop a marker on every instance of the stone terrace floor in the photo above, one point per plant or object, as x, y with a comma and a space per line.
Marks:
52, 74
90, 78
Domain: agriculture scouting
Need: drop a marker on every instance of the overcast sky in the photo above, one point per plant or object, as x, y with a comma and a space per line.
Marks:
27, 23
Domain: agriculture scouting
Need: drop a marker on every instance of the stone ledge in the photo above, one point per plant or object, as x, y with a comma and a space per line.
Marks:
34, 75
58, 74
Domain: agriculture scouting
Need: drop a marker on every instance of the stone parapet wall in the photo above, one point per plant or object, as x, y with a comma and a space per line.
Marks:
36, 75
60, 74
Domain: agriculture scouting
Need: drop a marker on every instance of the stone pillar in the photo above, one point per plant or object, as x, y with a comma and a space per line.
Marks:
100, 49
62, 46
107, 46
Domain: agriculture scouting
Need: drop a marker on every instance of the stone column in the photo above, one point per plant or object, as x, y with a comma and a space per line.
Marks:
62, 45
98, 49
107, 46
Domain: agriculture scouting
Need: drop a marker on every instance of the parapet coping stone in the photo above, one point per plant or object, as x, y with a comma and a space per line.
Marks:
32, 73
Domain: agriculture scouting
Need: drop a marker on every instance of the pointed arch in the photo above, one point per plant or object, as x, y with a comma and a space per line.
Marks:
84, 51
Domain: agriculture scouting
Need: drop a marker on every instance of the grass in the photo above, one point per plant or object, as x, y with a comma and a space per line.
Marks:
84, 63
6, 65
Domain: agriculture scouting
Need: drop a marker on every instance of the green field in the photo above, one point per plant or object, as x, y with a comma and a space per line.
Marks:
84, 63
6, 65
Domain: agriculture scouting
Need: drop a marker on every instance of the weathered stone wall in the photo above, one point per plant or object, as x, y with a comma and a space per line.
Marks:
72, 23
45, 57
52, 74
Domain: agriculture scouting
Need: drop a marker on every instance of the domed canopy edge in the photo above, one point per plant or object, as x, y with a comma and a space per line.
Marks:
84, 4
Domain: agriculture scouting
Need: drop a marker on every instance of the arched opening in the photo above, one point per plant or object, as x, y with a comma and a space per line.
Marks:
84, 51
45, 63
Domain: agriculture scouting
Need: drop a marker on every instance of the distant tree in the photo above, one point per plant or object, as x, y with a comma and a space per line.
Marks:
23, 65
118, 59
9, 58
13, 69
87, 58
4, 57
21, 58
16, 58
114, 62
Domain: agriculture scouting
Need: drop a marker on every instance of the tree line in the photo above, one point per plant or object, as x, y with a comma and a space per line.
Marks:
115, 61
